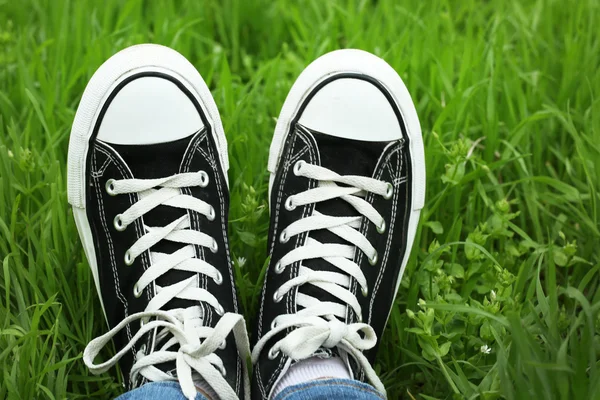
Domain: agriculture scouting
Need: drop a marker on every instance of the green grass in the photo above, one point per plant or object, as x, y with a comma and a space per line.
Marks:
507, 255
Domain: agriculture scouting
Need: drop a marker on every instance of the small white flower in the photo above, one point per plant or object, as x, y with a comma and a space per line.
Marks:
493, 295
241, 261
485, 349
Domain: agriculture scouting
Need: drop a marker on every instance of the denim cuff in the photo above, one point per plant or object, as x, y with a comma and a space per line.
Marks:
169, 390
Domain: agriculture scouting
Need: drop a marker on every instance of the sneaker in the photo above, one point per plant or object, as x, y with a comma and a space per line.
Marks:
147, 179
347, 183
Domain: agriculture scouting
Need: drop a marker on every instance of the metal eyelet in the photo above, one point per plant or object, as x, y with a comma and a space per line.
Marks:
274, 324
136, 291
211, 214
128, 258
278, 268
373, 260
220, 310
143, 348
118, 223
365, 291
214, 247
276, 297
298, 166
203, 179
223, 345
273, 354
219, 278
389, 191
110, 187
223, 371
381, 228
283, 238
289, 204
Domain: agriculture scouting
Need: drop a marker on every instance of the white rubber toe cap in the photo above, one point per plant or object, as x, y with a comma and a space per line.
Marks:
353, 109
149, 110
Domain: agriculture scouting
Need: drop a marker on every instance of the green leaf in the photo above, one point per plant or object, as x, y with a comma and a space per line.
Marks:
249, 238
444, 349
560, 258
435, 226
456, 270
454, 173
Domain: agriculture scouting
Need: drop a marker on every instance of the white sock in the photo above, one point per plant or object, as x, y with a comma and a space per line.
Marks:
311, 369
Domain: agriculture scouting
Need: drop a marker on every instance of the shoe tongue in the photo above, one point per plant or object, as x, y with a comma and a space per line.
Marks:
345, 157
151, 161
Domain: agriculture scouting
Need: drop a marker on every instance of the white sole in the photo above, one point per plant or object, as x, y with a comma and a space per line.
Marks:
359, 62
128, 62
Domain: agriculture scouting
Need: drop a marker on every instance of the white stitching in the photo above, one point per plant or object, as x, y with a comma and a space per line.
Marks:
113, 263
399, 164
364, 228
212, 162
138, 224
308, 209
273, 239
184, 167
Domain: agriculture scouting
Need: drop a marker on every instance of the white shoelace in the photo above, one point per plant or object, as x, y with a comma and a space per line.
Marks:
186, 341
316, 324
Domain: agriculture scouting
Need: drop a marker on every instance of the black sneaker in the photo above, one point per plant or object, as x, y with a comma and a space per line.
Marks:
346, 189
147, 179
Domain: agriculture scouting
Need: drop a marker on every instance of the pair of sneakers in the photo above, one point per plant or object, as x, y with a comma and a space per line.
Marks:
147, 179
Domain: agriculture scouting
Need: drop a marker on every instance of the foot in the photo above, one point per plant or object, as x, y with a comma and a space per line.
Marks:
346, 189
147, 181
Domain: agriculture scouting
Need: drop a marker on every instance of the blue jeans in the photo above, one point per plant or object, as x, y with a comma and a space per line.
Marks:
323, 389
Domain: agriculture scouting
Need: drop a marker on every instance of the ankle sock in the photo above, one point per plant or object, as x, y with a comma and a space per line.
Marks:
311, 369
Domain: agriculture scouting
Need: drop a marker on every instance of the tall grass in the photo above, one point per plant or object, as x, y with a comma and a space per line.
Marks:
500, 297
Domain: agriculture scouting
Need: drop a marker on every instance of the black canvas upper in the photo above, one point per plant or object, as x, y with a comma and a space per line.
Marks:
385, 161
197, 152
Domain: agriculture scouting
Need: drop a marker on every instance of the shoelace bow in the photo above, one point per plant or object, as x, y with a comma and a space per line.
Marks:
316, 324
181, 336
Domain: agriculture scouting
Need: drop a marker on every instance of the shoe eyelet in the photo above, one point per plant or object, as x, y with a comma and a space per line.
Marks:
274, 324
381, 228
203, 179
211, 214
298, 166
365, 291
373, 260
283, 238
389, 191
223, 371
289, 204
273, 354
136, 291
128, 258
110, 187
143, 348
223, 345
278, 268
220, 310
276, 297
214, 247
219, 278
118, 223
